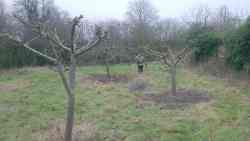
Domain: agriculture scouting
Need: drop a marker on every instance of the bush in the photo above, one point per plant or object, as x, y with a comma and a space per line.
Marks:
205, 43
238, 47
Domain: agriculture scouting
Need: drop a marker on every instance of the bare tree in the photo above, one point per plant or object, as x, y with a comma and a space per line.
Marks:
224, 19
170, 50
43, 31
141, 16
169, 59
199, 15
111, 43
141, 12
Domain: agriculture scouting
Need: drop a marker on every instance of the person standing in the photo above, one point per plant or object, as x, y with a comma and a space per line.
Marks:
140, 63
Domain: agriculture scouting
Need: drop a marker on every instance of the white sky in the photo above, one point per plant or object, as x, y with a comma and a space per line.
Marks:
101, 9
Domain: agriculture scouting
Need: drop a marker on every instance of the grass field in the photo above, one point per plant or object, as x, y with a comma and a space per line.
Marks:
33, 98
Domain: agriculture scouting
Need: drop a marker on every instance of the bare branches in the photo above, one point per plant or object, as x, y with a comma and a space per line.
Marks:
168, 57
40, 54
153, 52
57, 41
91, 44
42, 30
175, 59
166, 61
51, 35
27, 46
30, 41
21, 20
185, 52
88, 47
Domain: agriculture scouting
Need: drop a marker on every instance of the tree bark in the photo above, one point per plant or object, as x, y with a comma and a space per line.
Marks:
70, 117
107, 70
173, 79
71, 100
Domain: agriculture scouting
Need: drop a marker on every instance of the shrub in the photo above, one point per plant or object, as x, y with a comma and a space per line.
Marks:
238, 47
205, 43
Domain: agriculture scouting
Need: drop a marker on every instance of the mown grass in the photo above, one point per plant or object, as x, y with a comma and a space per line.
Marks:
28, 110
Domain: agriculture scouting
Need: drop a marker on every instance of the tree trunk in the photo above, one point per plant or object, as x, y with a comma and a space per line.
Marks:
70, 118
71, 100
107, 69
173, 79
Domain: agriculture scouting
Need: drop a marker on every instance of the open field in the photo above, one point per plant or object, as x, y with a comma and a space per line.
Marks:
32, 104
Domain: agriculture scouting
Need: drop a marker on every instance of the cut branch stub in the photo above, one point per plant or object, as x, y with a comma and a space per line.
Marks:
76, 22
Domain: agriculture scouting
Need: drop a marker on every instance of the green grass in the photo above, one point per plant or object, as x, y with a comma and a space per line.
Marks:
111, 107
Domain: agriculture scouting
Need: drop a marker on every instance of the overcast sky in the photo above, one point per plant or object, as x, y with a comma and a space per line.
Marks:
100, 9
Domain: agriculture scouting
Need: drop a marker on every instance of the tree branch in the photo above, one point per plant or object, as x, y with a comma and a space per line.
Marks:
88, 47
152, 52
170, 55
58, 41
60, 69
165, 61
185, 52
23, 21
40, 54
76, 22
39, 29
100, 36
26, 45
30, 41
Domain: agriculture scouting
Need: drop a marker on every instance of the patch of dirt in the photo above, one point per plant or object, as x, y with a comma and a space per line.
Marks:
22, 71
141, 83
137, 85
8, 87
85, 131
12, 87
102, 78
166, 100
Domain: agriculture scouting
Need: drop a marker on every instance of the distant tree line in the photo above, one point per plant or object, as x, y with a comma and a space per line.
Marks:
205, 30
